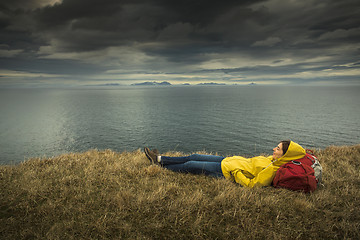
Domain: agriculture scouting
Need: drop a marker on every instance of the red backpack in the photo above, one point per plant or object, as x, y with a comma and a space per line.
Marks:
299, 175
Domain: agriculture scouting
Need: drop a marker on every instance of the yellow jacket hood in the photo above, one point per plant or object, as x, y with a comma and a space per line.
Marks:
295, 151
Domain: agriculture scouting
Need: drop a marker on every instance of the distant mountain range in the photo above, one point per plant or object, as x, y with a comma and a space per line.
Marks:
169, 84
152, 84
164, 83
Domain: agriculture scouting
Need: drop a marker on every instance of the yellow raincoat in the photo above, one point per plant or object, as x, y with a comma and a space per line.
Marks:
258, 171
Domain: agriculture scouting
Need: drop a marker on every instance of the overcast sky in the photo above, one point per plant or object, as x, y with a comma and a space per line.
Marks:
85, 42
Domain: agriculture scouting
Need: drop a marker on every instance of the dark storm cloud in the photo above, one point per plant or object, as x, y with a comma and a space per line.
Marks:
271, 37
84, 25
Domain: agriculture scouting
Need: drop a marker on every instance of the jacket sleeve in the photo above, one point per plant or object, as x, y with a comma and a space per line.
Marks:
264, 178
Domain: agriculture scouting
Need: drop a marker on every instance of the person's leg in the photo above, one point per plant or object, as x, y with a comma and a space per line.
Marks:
195, 157
197, 167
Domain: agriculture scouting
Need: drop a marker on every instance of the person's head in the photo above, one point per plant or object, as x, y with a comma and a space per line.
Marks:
281, 149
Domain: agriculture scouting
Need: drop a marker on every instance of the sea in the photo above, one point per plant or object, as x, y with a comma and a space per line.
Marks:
224, 120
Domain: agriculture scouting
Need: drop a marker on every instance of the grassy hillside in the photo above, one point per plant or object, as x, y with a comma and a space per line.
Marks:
109, 195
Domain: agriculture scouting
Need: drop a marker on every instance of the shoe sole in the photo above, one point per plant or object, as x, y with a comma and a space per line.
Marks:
146, 150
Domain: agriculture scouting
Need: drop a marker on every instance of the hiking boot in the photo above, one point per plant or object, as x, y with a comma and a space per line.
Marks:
152, 155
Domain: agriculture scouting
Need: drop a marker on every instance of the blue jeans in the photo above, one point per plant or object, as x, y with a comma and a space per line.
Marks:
196, 164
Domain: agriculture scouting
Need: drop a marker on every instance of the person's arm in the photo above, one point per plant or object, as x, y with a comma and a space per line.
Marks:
264, 178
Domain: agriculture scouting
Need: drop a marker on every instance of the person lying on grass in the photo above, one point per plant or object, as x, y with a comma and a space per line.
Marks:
249, 172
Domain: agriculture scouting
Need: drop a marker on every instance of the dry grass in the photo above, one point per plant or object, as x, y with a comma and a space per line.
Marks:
109, 195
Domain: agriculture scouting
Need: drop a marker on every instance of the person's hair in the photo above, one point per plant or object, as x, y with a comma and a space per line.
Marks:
285, 145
